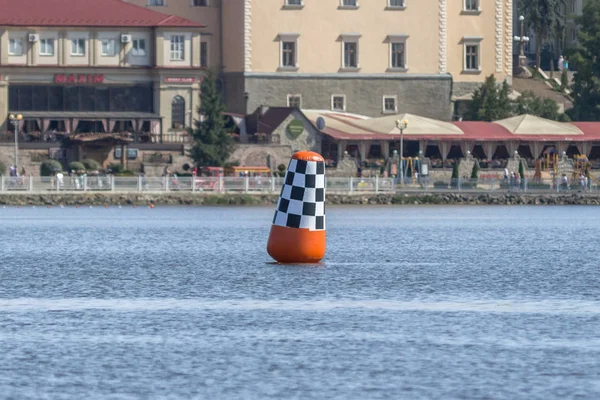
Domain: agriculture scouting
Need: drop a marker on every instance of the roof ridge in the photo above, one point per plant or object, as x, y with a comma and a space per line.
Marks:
169, 17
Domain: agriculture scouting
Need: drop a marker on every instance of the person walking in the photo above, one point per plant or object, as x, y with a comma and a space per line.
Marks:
561, 63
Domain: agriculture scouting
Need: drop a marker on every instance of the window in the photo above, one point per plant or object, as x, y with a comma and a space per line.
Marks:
139, 47
46, 47
390, 104
288, 51
294, 2
178, 112
77, 47
338, 102
204, 54
288, 54
177, 42
108, 47
472, 57
156, 2
349, 3
200, 3
397, 57
471, 5
294, 100
350, 55
15, 47
396, 3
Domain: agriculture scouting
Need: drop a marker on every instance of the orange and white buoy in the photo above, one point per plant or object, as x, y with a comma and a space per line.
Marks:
298, 230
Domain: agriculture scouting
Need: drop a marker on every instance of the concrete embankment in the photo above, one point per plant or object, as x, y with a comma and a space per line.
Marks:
173, 198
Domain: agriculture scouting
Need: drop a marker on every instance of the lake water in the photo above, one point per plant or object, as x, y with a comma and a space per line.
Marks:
409, 303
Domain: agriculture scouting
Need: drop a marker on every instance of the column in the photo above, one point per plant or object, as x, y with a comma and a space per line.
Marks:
62, 48
385, 149
362, 148
124, 156
443, 146
536, 150
93, 48
489, 150
341, 148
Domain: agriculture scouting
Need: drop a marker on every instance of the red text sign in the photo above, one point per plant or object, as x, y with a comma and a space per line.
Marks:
80, 79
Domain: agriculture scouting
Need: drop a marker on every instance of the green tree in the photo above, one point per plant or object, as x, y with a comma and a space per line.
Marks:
475, 171
212, 143
529, 103
547, 20
490, 103
586, 81
521, 170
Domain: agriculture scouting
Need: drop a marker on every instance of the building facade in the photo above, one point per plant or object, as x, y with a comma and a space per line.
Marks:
373, 57
107, 68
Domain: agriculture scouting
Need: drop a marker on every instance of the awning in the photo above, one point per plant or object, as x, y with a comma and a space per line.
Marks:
84, 115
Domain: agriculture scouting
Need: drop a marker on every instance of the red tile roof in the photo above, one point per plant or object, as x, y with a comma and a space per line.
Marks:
85, 13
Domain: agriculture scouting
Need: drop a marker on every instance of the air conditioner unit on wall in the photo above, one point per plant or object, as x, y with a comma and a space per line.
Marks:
125, 38
34, 37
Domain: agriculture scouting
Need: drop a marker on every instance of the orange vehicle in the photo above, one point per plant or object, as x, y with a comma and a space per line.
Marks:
208, 178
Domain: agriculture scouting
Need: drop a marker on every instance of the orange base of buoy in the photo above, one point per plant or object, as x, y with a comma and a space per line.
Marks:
296, 246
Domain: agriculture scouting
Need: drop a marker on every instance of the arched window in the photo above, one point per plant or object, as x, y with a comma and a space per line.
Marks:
178, 112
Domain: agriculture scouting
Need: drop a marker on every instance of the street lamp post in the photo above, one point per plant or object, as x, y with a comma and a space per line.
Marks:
522, 40
401, 125
15, 119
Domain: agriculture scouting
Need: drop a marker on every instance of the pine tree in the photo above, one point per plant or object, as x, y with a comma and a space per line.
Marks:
212, 142
490, 103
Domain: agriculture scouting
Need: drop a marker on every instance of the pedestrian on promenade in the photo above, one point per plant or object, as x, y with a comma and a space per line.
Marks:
561, 63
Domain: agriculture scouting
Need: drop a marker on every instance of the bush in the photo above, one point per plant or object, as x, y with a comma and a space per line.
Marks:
50, 167
475, 171
125, 172
440, 185
3, 167
76, 166
91, 165
116, 168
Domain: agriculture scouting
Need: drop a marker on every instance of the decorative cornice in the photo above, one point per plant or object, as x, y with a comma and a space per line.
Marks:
443, 18
499, 35
248, 35
508, 37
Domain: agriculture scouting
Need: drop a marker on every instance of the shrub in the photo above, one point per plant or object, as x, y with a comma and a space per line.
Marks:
125, 172
440, 185
116, 168
186, 167
76, 166
91, 165
475, 171
50, 167
3, 167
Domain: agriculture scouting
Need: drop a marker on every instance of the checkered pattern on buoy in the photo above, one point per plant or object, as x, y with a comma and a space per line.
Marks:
302, 200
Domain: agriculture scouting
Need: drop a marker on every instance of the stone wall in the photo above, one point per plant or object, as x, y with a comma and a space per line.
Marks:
428, 96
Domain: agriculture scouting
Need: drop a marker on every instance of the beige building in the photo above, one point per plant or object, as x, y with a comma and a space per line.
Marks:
107, 68
373, 57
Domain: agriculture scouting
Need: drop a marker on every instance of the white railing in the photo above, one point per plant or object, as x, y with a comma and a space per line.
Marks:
273, 185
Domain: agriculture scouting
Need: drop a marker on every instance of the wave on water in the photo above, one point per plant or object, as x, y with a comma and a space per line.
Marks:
328, 305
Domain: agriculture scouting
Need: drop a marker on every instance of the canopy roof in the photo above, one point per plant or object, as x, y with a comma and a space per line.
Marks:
532, 125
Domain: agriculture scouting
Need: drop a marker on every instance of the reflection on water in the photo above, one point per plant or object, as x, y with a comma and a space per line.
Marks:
410, 302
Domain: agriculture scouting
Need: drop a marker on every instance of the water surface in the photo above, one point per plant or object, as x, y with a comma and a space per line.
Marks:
410, 302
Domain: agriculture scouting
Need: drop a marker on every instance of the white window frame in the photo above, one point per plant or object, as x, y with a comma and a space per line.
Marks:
12, 43
291, 6
289, 97
398, 39
78, 47
206, 5
136, 52
386, 97
108, 43
354, 6
284, 38
152, 3
173, 53
395, 6
44, 47
350, 38
471, 10
467, 42
333, 96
